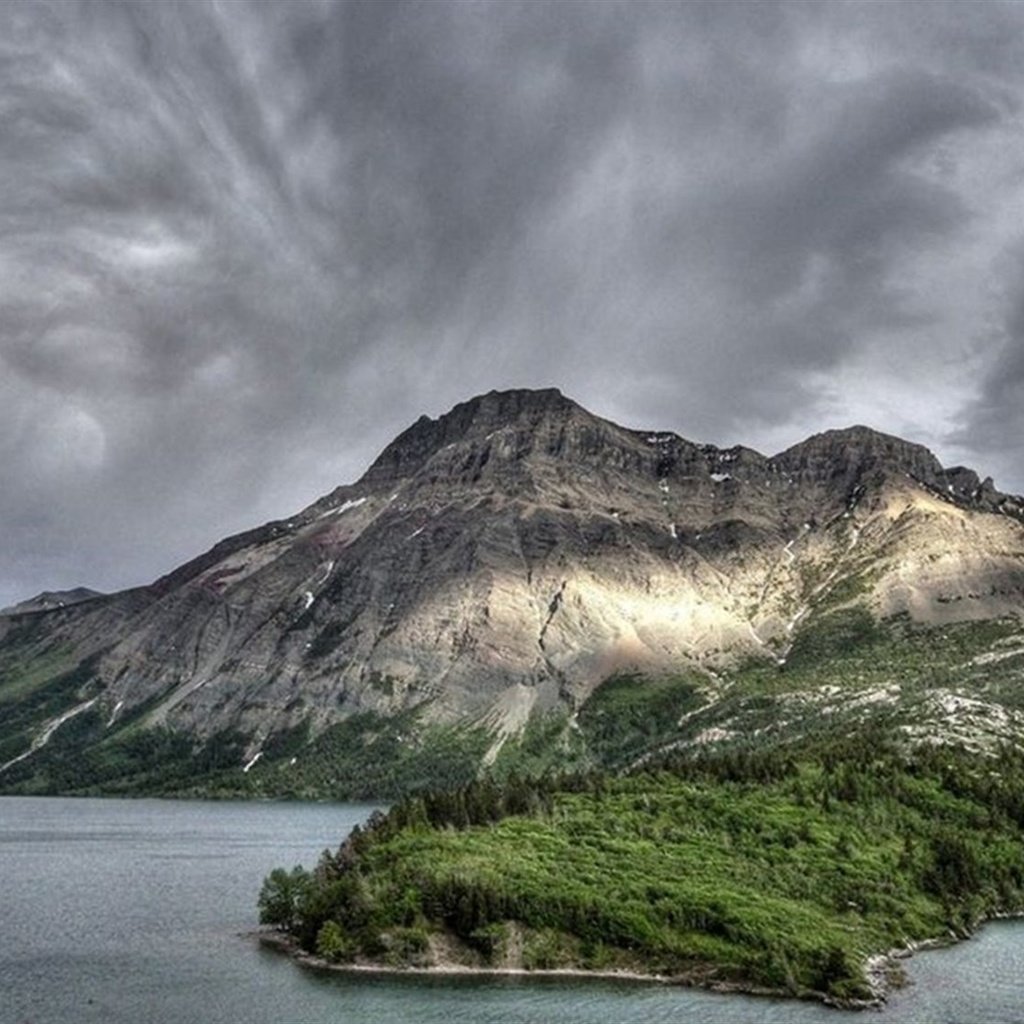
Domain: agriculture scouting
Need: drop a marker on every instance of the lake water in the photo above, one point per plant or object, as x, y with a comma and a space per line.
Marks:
131, 911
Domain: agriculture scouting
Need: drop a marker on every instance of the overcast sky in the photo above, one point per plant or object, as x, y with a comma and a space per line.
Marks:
241, 246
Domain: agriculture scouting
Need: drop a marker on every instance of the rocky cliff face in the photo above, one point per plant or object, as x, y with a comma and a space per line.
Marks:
507, 558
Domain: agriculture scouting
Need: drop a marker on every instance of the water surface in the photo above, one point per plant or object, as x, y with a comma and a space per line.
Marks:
132, 910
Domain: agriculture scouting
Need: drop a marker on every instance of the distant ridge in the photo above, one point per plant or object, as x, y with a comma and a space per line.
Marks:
50, 599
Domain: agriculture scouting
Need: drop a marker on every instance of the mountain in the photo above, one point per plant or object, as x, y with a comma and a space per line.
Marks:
49, 599
520, 582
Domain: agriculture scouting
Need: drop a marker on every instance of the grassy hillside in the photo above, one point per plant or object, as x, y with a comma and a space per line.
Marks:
767, 871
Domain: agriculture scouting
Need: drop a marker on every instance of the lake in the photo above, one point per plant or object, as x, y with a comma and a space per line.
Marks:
133, 910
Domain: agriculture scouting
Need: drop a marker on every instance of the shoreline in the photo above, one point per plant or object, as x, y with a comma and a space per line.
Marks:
282, 943
883, 972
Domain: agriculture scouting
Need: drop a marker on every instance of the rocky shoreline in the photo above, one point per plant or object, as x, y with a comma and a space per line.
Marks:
881, 979
884, 971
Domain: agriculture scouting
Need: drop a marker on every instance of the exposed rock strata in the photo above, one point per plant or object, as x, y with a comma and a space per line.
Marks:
517, 551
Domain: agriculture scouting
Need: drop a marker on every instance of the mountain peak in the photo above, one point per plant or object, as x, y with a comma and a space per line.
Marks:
497, 409
479, 415
857, 435
858, 448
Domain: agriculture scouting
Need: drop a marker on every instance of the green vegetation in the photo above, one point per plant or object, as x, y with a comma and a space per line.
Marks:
19, 676
627, 716
548, 743
134, 762
31, 695
766, 869
850, 648
368, 756
282, 896
845, 671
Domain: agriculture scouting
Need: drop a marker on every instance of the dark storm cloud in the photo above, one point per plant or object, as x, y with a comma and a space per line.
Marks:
244, 244
995, 419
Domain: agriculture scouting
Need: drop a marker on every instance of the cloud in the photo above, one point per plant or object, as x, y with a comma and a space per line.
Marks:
995, 419
245, 244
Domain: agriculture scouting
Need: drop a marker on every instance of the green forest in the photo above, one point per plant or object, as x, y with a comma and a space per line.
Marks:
780, 870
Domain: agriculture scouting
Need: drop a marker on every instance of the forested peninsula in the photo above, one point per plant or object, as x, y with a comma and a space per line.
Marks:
790, 871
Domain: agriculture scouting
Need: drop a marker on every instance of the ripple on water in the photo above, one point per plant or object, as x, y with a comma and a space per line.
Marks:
976, 982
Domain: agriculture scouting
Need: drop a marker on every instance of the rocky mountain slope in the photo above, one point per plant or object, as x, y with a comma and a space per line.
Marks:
504, 576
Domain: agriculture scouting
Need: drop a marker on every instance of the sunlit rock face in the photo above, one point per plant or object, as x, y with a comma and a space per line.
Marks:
510, 555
